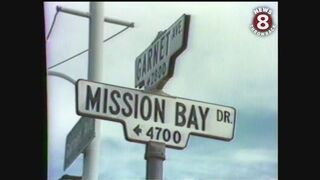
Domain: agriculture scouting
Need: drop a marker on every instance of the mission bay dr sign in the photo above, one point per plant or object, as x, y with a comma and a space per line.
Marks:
152, 117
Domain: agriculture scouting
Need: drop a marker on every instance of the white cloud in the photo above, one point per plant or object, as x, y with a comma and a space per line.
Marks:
255, 156
225, 164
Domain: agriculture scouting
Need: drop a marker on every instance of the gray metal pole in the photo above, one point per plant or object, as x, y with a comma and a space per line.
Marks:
155, 155
91, 154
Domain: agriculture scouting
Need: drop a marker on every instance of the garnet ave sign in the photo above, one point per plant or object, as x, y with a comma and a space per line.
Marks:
151, 117
155, 65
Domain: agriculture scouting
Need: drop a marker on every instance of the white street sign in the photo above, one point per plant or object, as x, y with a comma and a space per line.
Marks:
152, 117
155, 65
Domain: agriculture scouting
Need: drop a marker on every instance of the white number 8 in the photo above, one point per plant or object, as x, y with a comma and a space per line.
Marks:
266, 24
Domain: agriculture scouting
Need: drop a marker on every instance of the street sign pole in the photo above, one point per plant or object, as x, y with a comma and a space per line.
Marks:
155, 151
91, 154
155, 155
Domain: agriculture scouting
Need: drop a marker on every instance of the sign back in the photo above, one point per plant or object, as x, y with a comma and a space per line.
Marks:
78, 139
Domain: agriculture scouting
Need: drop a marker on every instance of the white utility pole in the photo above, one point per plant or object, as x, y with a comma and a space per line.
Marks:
91, 155
96, 19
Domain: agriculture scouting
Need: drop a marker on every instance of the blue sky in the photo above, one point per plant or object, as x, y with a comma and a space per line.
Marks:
224, 63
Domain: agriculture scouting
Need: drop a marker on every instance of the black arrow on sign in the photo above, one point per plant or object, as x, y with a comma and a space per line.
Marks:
137, 130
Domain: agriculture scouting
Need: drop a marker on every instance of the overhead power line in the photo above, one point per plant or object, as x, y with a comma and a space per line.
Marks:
78, 54
54, 20
87, 15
